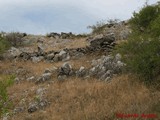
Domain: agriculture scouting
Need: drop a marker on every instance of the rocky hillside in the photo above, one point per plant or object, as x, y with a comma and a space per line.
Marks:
69, 77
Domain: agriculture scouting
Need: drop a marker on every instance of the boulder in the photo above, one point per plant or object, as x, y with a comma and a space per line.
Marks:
67, 58
107, 79
44, 77
61, 77
118, 57
40, 48
50, 56
18, 109
43, 103
62, 55
56, 58
66, 35
92, 71
32, 107
37, 105
37, 59
14, 52
25, 56
66, 69
51, 70
31, 78
103, 42
105, 67
54, 35
81, 72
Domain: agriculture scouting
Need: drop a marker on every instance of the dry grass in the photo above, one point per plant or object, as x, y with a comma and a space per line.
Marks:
78, 43
38, 68
50, 44
61, 44
22, 93
4, 65
77, 99
35, 68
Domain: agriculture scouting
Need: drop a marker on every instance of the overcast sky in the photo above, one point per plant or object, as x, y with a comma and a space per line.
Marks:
44, 16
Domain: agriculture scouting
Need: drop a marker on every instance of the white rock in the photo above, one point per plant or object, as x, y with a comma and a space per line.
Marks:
37, 59
31, 78
66, 69
118, 57
14, 52
44, 77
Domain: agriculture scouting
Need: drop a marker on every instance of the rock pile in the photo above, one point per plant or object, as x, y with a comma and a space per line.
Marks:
44, 77
105, 67
121, 30
98, 43
62, 35
103, 42
82, 72
40, 103
64, 71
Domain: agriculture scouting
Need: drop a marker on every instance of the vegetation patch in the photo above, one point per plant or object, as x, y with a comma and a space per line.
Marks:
5, 82
142, 51
4, 44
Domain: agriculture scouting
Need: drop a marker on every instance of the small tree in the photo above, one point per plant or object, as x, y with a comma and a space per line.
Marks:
142, 50
15, 38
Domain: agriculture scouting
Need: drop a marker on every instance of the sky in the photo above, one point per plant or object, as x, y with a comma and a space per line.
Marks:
45, 16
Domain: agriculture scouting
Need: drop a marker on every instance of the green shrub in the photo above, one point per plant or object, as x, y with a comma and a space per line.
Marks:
142, 57
4, 102
142, 50
15, 38
142, 21
155, 27
4, 44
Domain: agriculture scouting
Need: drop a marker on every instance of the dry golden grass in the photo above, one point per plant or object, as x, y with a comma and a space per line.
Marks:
78, 43
19, 93
73, 43
76, 99
35, 68
38, 68
85, 60
4, 65
54, 44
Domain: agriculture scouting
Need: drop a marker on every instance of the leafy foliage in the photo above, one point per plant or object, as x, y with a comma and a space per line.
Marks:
146, 20
3, 44
142, 50
4, 102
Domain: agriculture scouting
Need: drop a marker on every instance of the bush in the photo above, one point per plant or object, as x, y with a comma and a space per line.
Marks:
145, 19
155, 27
142, 51
15, 38
98, 28
4, 44
142, 57
4, 102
